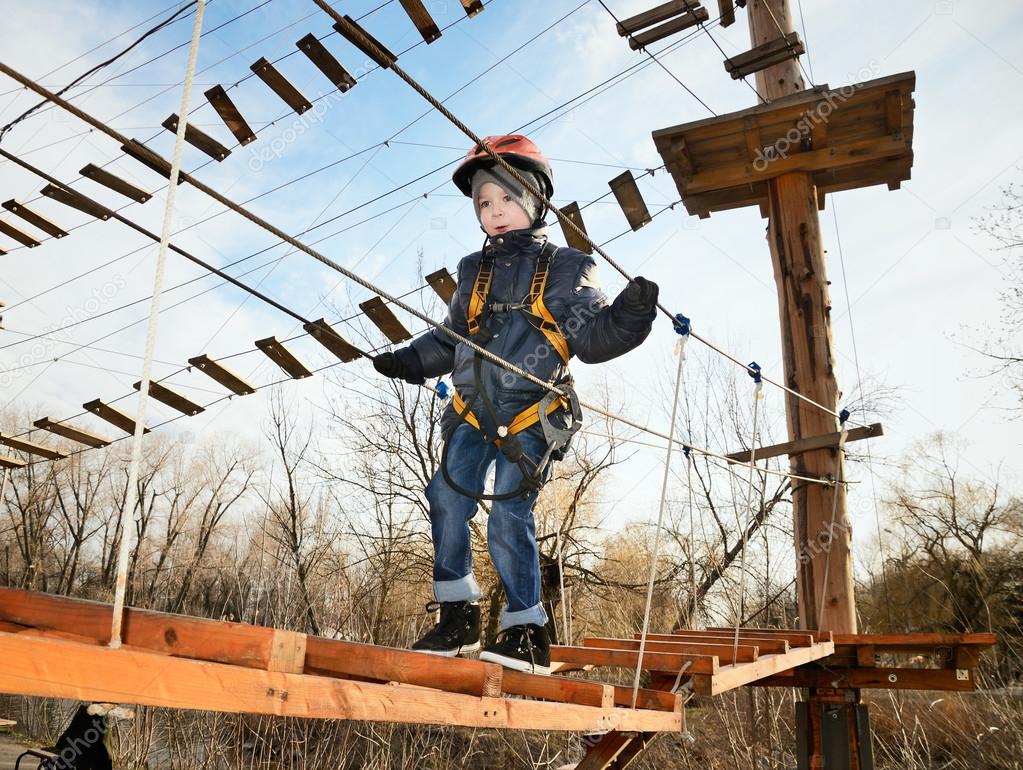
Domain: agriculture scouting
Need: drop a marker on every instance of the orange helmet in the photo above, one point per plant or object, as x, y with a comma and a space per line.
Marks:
518, 150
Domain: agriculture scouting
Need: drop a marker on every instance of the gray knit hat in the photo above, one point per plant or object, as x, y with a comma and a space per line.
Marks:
506, 182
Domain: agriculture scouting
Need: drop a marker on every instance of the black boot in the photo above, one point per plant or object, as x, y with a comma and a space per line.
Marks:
522, 648
457, 631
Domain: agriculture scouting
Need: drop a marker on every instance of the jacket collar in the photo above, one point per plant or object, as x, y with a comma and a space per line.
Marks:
516, 242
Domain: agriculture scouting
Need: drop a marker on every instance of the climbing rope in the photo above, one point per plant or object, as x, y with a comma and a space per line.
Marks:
758, 394
842, 436
683, 327
561, 584
131, 493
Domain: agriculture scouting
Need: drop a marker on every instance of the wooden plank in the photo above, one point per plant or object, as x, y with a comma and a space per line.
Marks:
34, 219
115, 183
916, 641
18, 235
810, 443
78, 201
287, 652
627, 193
280, 85
866, 656
652, 661
572, 238
325, 62
350, 30
12, 723
421, 18
667, 643
283, 357
893, 111
198, 139
698, 15
221, 374
385, 320
442, 282
388, 664
23, 445
583, 692
11, 463
653, 16
71, 432
849, 154
112, 415
726, 12
326, 335
60, 669
228, 113
472, 7
171, 398
763, 56
148, 158
872, 678
731, 677
796, 638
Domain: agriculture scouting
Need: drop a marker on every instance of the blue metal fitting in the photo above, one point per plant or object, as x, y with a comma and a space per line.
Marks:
843, 415
441, 389
682, 324
753, 370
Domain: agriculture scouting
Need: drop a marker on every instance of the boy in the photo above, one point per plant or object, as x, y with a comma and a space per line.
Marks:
533, 305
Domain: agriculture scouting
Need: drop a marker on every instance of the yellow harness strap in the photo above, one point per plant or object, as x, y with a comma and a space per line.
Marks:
538, 314
525, 419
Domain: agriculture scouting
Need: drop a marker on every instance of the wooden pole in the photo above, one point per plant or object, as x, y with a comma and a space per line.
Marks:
821, 525
822, 534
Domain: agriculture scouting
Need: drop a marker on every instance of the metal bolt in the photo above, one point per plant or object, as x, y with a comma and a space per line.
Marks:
893, 678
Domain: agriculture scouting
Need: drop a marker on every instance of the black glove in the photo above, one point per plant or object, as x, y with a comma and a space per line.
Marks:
390, 365
640, 296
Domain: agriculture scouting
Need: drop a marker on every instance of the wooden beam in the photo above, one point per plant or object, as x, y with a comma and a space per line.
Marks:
198, 139
421, 18
627, 193
948, 680
71, 432
171, 398
19, 235
221, 374
442, 282
571, 237
11, 462
280, 85
31, 448
385, 320
731, 677
350, 30
472, 7
697, 15
662, 643
652, 661
916, 641
148, 158
61, 669
806, 444
283, 357
326, 335
34, 219
228, 113
287, 652
115, 183
653, 16
112, 415
726, 12
763, 56
78, 201
798, 638
325, 62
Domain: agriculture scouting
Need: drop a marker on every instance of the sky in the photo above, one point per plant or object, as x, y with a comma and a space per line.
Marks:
914, 286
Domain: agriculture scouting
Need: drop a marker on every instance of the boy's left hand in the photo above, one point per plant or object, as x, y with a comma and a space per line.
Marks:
640, 296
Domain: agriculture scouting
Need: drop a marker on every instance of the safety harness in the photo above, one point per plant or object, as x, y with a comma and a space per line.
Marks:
477, 314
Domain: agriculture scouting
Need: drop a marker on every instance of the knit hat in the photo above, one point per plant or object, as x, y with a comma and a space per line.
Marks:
506, 182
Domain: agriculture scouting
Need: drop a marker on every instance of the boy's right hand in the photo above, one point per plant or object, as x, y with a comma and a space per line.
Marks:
390, 365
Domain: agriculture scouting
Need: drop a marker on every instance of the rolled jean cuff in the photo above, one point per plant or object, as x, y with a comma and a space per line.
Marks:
464, 589
534, 615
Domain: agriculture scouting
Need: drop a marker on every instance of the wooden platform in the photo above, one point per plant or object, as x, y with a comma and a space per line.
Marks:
54, 647
855, 136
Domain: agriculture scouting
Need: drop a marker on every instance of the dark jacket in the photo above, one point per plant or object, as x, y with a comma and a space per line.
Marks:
595, 329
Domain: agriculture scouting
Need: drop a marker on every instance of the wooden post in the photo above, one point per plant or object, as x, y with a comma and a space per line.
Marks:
823, 551
822, 533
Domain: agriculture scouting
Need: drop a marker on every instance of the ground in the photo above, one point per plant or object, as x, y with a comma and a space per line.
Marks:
10, 748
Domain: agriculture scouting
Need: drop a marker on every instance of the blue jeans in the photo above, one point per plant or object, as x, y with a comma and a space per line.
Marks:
511, 530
